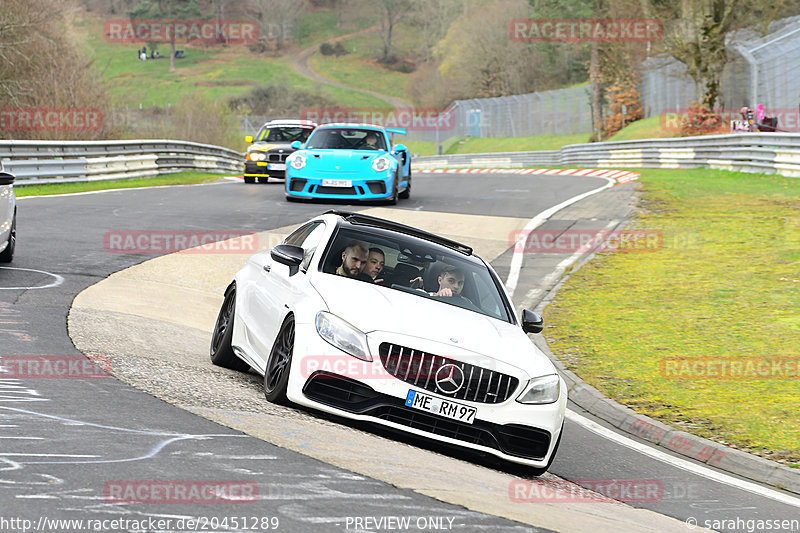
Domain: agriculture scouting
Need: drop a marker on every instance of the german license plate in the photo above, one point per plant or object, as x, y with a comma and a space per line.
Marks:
337, 183
440, 406
276, 166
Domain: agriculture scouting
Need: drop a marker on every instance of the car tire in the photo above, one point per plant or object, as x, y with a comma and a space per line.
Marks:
536, 472
393, 197
406, 194
8, 254
263, 180
249, 179
279, 364
221, 350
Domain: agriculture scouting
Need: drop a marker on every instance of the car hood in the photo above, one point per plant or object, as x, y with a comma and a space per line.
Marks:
373, 308
265, 147
354, 160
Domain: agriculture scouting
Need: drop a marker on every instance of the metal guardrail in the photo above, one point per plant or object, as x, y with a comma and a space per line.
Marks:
65, 161
746, 152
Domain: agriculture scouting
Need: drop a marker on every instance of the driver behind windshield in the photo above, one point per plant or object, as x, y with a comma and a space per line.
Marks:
371, 142
451, 283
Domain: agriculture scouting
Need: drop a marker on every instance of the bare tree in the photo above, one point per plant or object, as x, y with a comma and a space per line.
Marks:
392, 13
42, 66
431, 20
278, 17
478, 59
695, 33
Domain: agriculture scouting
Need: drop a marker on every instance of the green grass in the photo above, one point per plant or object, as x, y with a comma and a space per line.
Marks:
361, 73
726, 284
427, 148
648, 128
217, 73
320, 25
473, 145
361, 69
180, 178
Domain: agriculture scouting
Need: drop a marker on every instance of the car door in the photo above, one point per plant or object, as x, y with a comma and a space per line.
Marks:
275, 292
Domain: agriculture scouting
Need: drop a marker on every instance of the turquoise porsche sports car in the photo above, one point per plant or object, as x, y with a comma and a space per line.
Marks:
349, 162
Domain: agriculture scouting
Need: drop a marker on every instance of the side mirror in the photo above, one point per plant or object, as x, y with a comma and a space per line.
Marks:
248, 139
289, 255
296, 145
531, 322
6, 178
400, 148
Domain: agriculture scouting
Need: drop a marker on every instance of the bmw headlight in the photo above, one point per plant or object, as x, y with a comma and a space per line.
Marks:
541, 390
297, 161
379, 164
344, 336
256, 156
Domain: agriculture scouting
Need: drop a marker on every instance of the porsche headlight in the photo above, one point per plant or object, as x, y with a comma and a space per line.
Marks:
344, 336
297, 161
541, 390
256, 156
379, 164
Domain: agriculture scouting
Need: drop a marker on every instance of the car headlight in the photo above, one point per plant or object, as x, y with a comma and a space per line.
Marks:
344, 336
256, 156
297, 161
379, 164
541, 390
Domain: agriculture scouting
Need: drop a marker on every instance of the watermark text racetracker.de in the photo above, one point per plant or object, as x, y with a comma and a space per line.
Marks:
408, 118
586, 491
562, 241
54, 367
152, 242
179, 492
181, 31
730, 368
585, 30
50, 119
672, 120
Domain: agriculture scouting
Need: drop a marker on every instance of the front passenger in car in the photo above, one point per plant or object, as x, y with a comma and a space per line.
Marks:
354, 257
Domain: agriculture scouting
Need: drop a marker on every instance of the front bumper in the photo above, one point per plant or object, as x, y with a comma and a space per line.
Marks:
377, 187
519, 433
263, 169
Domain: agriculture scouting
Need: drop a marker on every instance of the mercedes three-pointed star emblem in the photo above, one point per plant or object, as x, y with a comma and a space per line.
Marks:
449, 379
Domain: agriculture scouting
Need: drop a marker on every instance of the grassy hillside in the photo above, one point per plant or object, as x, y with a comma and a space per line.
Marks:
648, 128
215, 72
360, 67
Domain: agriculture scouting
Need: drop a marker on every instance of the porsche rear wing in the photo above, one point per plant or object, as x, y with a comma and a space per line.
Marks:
400, 131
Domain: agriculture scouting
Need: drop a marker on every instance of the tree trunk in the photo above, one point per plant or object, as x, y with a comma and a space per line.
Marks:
594, 79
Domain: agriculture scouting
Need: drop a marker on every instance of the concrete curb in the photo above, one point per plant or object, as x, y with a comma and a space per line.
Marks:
629, 421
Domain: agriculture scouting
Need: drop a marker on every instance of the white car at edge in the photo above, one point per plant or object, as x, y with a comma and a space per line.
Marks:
8, 216
455, 369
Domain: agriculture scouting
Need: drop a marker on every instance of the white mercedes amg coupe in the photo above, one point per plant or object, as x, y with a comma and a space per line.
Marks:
453, 365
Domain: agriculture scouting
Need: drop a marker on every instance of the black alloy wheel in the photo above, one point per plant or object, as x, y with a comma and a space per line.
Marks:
276, 377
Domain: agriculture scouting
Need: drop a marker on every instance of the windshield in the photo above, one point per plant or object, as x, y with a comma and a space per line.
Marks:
283, 134
399, 262
347, 139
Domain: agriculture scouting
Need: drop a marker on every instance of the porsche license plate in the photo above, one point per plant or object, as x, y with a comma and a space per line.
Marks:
337, 183
276, 166
440, 406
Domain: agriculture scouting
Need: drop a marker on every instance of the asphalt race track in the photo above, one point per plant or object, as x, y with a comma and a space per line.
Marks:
67, 444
